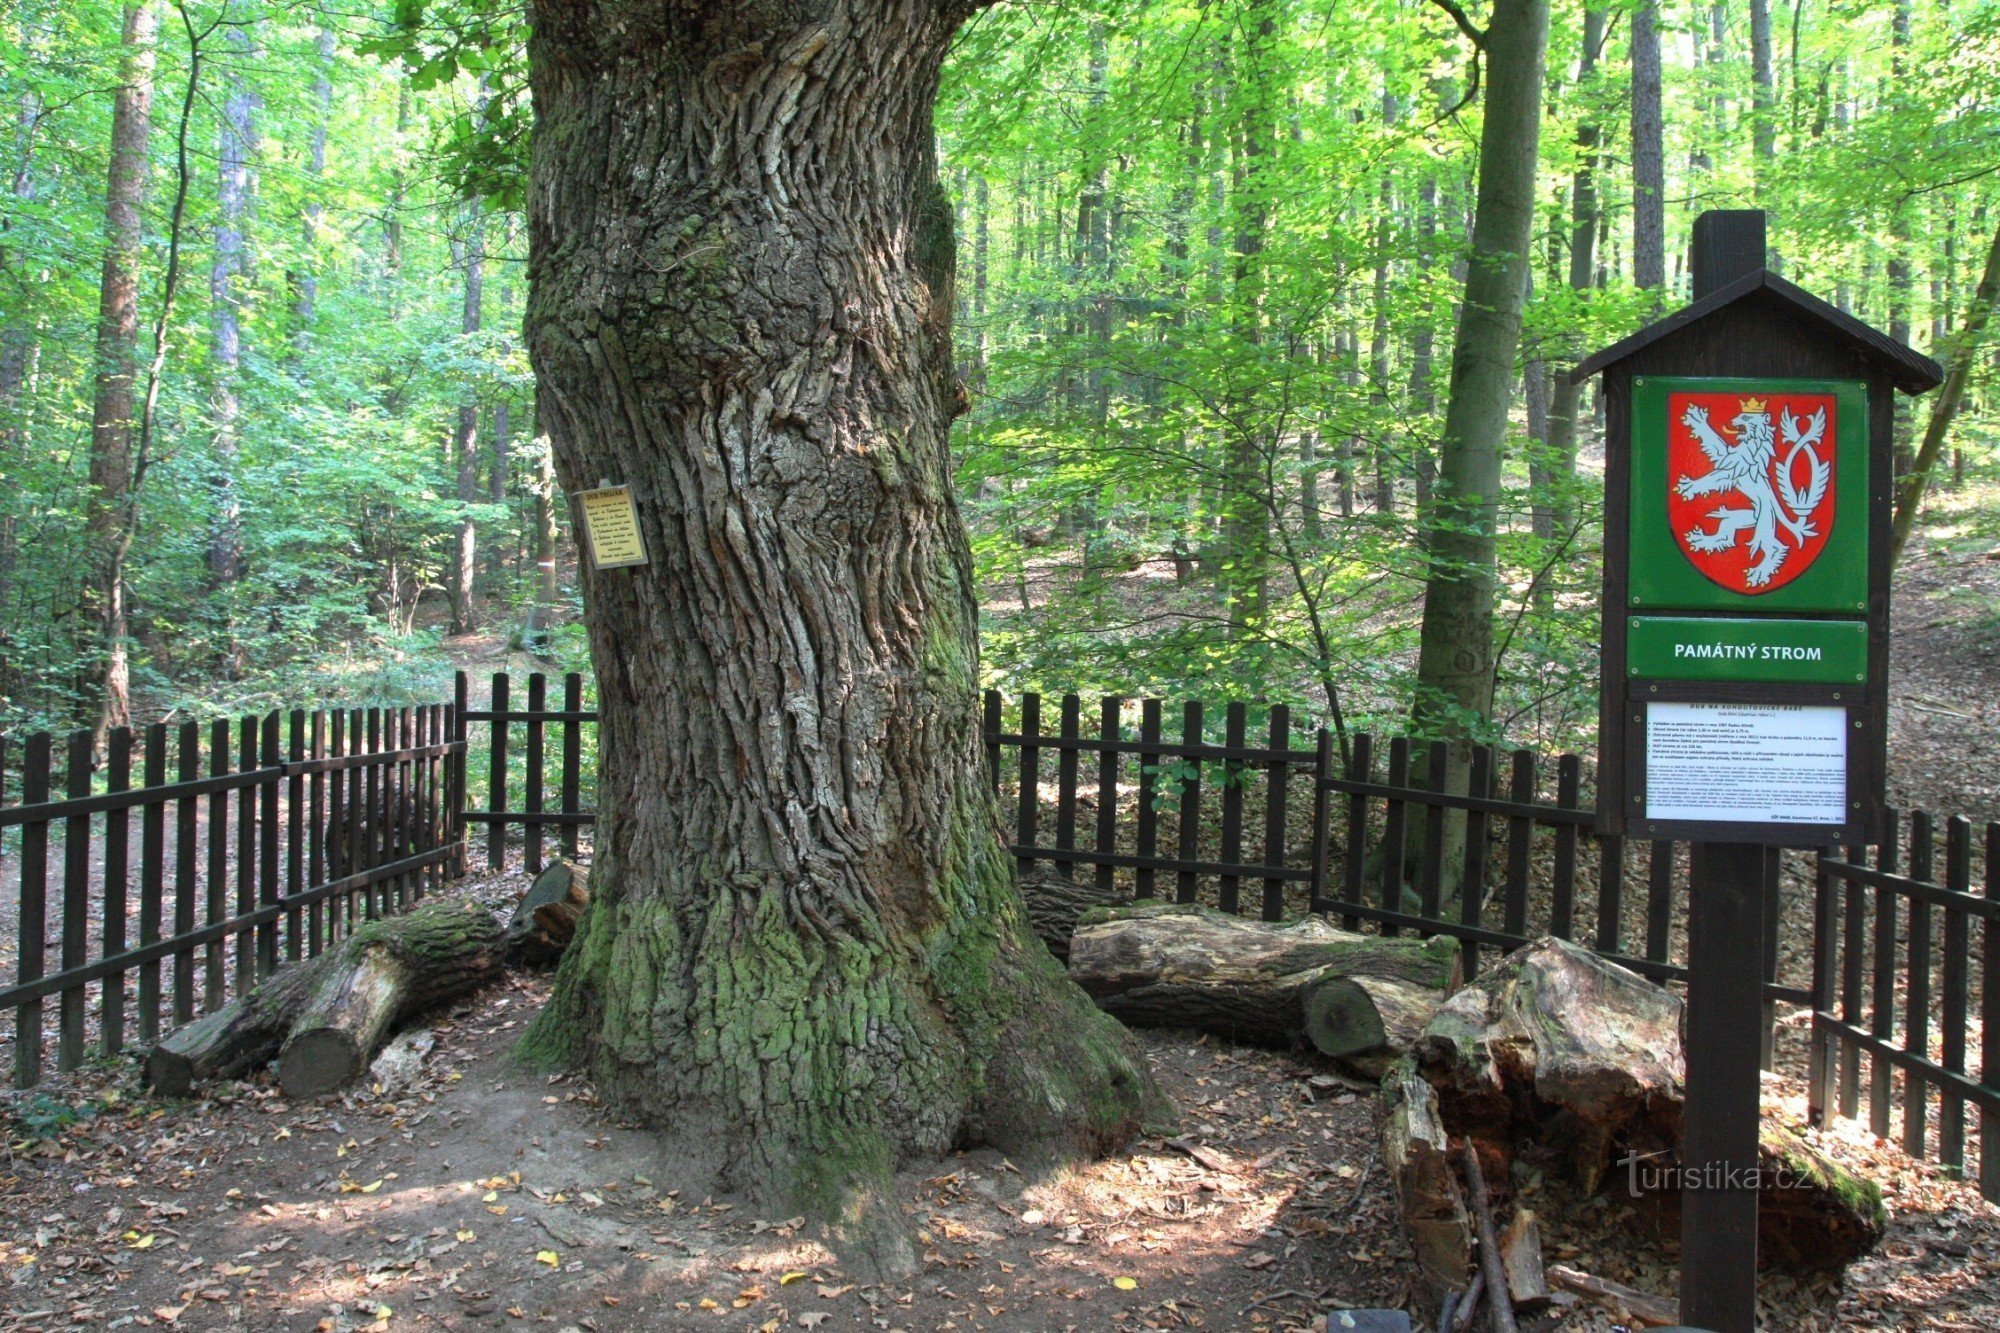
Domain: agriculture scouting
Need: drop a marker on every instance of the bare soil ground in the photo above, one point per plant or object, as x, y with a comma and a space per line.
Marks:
478, 1196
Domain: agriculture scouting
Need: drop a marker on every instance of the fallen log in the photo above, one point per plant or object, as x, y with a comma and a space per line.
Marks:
387, 970
1056, 903
544, 921
1303, 983
240, 1036
451, 947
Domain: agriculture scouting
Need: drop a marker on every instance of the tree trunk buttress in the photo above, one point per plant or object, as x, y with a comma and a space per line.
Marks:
804, 951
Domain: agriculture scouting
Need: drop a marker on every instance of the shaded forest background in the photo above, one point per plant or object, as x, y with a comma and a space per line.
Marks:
1209, 260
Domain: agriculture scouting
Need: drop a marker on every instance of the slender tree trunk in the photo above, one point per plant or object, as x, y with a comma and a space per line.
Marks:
1899, 267
804, 953
20, 356
1565, 395
1964, 352
1649, 180
471, 256
1378, 343
236, 141
546, 586
305, 284
1763, 97
1246, 534
1455, 667
109, 515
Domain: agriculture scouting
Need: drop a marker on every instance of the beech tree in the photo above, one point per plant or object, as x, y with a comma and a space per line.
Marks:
807, 957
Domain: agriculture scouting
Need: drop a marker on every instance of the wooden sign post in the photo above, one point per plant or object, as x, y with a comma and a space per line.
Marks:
1748, 479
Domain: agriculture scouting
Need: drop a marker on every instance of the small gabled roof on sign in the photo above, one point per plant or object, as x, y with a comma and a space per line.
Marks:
1908, 369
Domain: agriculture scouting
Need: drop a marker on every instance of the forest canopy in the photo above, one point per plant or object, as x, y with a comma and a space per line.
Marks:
1208, 263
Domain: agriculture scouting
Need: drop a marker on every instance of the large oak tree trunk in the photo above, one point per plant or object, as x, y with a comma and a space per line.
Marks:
804, 953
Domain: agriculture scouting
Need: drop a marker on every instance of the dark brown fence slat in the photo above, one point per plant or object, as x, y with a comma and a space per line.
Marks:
1989, 1024
496, 775
1562, 909
989, 727
457, 798
1322, 820
117, 887
1148, 831
322, 918
354, 812
1028, 805
73, 950
1917, 996
270, 889
187, 826
295, 835
1883, 1016
1853, 974
247, 868
1360, 768
1823, 1051
1188, 817
1234, 728
216, 907
572, 759
1277, 785
1472, 886
1520, 844
1395, 833
1437, 825
152, 879
1955, 980
1072, 730
1108, 729
1767, 1035
375, 816
36, 763
538, 692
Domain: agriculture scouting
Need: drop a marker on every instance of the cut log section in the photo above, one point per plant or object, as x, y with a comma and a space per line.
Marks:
240, 1036
544, 921
387, 970
382, 974
1057, 903
1521, 1257
1305, 983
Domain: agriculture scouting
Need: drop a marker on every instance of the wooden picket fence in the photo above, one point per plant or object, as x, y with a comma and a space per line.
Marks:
247, 842
264, 840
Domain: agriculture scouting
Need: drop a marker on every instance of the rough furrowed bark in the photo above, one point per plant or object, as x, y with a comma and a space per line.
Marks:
804, 957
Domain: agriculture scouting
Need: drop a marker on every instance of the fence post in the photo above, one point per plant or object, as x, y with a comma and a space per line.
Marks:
1322, 770
34, 919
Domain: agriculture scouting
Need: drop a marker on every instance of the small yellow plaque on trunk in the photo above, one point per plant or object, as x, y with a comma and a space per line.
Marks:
611, 527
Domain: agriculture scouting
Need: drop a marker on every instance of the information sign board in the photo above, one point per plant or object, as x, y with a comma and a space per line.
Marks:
1822, 652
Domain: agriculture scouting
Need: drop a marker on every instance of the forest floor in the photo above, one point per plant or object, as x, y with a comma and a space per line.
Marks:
475, 1196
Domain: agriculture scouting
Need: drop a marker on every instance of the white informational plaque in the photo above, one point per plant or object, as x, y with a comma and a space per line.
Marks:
1746, 763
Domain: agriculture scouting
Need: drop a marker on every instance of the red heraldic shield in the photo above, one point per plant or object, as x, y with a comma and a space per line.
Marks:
1750, 481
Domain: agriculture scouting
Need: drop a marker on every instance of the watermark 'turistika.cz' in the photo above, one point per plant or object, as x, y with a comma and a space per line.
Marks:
1654, 1173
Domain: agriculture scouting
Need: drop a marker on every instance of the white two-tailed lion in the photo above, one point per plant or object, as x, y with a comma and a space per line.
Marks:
1744, 467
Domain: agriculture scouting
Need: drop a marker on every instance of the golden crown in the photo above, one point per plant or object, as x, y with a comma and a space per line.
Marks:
1754, 405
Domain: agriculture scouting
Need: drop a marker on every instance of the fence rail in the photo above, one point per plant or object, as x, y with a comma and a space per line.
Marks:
195, 859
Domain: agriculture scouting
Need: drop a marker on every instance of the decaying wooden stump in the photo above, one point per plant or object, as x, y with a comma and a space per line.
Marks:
1417, 1154
544, 921
1057, 903
1303, 983
1558, 1053
324, 1018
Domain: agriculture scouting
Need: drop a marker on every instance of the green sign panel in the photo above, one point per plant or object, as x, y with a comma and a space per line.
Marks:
1749, 495
1818, 652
